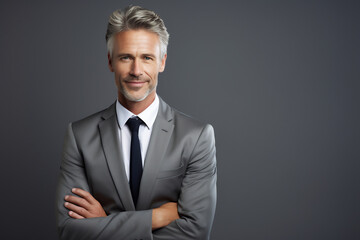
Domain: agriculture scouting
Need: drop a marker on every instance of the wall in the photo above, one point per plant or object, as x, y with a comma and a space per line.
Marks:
278, 80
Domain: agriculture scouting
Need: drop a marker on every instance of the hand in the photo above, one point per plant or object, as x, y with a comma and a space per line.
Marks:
85, 206
164, 215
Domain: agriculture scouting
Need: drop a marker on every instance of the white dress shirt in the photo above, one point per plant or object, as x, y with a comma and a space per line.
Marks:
148, 116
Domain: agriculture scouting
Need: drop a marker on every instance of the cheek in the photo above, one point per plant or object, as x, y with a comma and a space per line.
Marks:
119, 76
121, 69
152, 71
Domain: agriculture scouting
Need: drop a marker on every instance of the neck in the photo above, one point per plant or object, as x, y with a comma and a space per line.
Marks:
137, 107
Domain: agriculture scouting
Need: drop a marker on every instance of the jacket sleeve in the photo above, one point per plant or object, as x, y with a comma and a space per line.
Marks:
119, 225
197, 200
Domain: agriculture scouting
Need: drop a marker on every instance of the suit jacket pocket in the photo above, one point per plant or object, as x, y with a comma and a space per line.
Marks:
171, 172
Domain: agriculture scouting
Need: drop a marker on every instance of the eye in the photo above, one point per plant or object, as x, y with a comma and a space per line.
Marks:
147, 58
124, 58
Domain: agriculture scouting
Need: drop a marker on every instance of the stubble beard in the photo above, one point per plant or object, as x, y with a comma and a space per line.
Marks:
132, 97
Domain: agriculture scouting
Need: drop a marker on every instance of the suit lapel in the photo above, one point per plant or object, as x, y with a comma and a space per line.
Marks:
160, 136
114, 157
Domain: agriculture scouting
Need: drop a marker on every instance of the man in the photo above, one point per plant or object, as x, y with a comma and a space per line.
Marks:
138, 169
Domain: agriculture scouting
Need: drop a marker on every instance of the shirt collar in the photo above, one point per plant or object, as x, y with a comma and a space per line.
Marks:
148, 115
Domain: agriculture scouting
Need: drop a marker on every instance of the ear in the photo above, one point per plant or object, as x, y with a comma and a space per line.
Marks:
110, 63
162, 64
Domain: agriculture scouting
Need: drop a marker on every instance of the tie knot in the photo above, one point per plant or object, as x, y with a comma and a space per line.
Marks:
134, 124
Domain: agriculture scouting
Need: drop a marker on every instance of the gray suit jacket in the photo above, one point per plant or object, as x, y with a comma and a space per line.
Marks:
179, 166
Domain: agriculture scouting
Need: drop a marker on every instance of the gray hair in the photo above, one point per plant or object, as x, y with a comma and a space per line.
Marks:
132, 18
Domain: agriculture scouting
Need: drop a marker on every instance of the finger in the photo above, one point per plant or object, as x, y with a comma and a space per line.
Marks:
84, 194
76, 209
75, 215
81, 202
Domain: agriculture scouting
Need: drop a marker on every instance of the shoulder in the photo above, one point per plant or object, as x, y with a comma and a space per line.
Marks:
188, 126
91, 122
183, 120
195, 137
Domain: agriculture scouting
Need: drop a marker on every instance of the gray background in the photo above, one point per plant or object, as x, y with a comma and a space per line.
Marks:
278, 80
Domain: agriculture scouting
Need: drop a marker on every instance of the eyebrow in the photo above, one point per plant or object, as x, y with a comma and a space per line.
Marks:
130, 55
124, 55
148, 55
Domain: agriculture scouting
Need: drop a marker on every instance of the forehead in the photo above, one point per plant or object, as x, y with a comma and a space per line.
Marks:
136, 41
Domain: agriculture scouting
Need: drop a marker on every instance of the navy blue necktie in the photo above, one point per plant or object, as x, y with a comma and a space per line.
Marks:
135, 158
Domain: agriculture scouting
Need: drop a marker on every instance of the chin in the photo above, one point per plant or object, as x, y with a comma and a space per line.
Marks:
135, 98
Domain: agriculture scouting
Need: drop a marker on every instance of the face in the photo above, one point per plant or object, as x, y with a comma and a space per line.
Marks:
136, 64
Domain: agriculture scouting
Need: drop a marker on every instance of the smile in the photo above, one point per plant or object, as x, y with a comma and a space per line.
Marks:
135, 83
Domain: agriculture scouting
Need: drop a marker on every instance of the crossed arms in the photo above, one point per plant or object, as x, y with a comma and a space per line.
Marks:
81, 216
86, 206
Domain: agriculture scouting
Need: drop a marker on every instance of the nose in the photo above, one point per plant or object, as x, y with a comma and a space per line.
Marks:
136, 68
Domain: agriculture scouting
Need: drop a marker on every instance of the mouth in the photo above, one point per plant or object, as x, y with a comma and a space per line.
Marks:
135, 84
